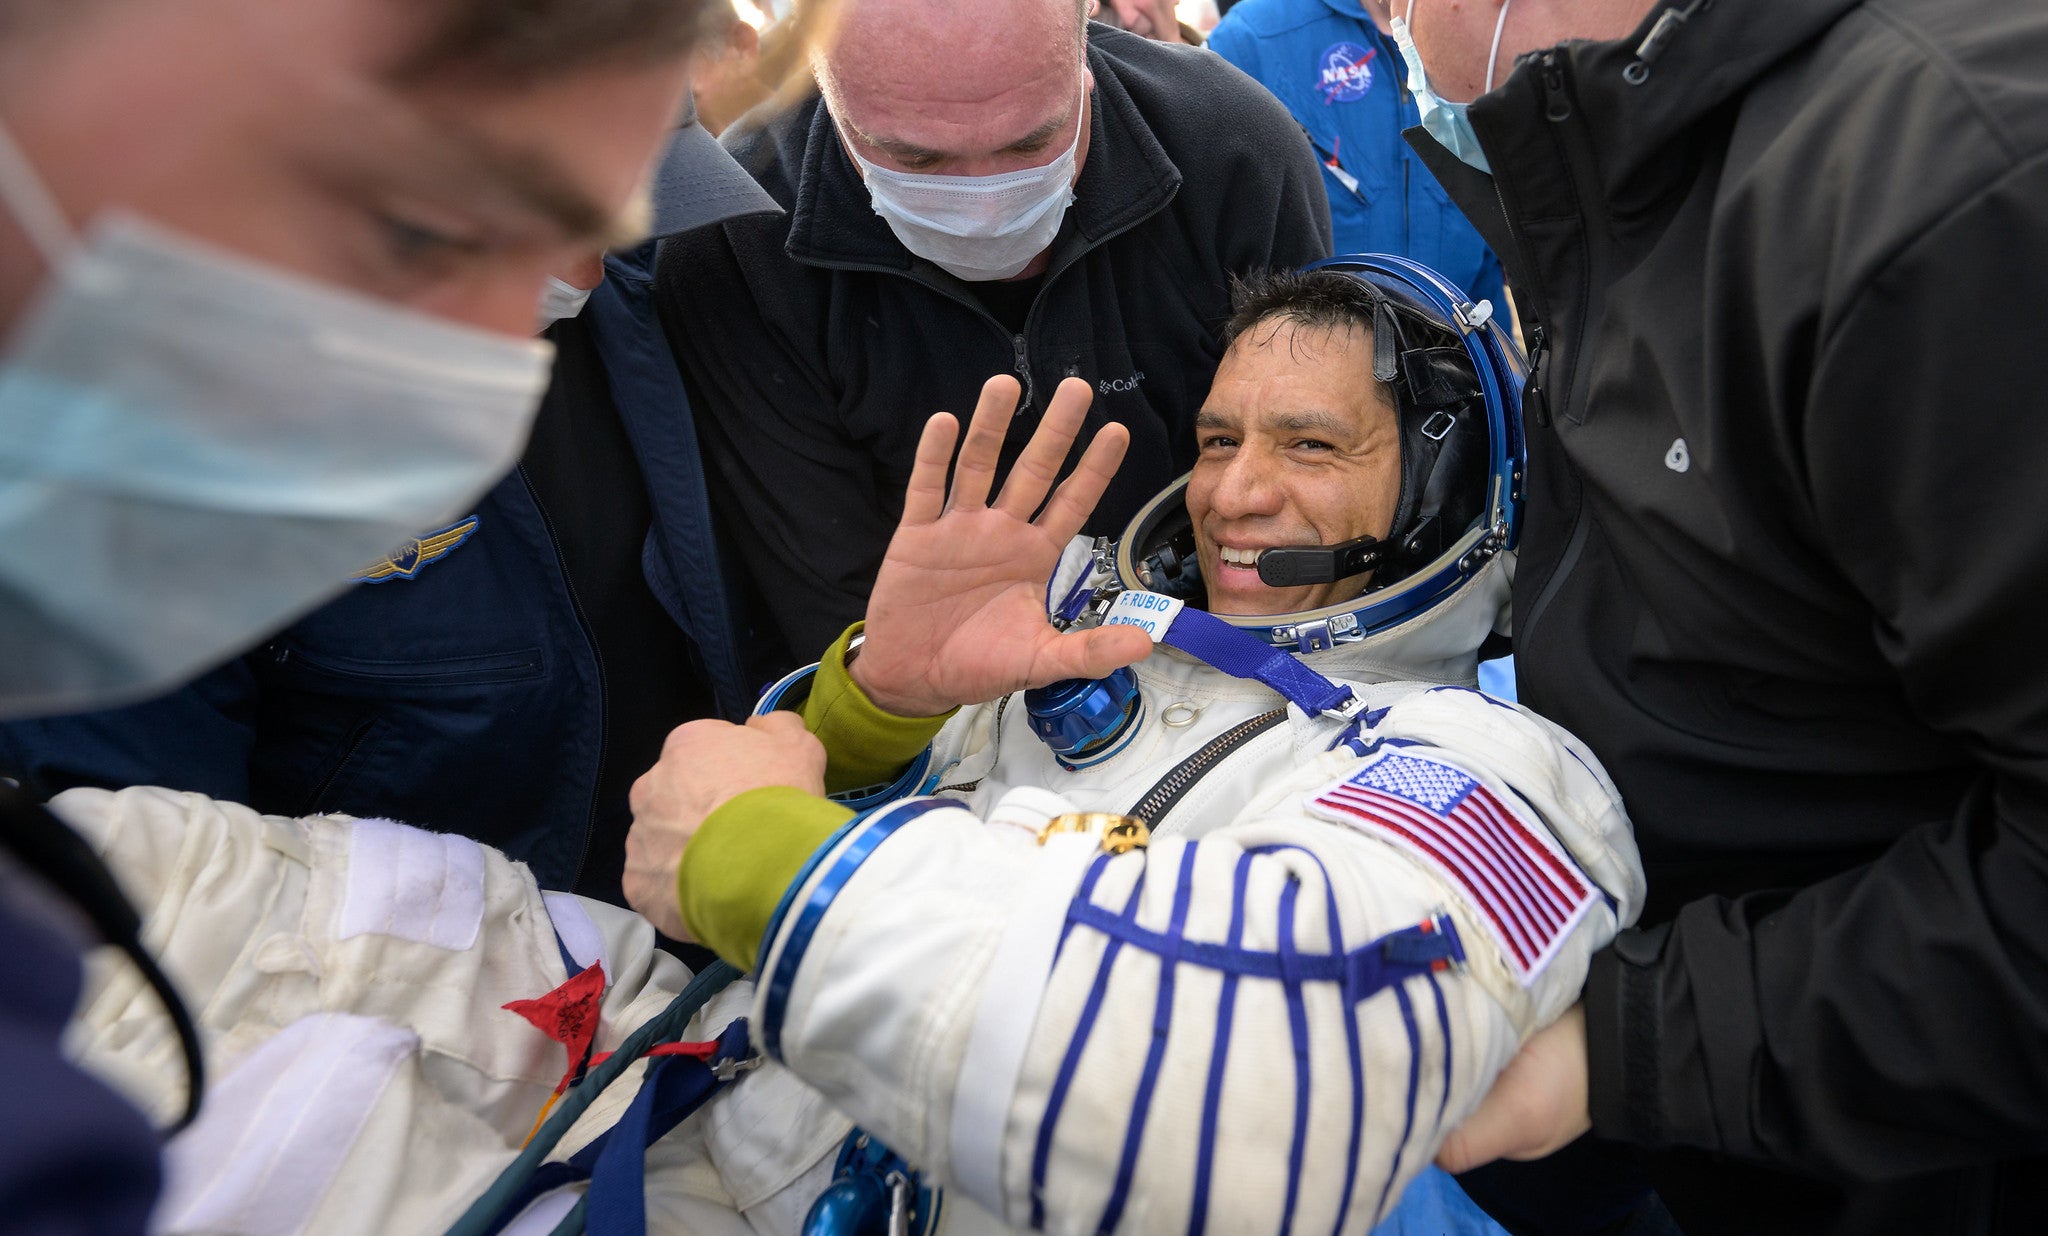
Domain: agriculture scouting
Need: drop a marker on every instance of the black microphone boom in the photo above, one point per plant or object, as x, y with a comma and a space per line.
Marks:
1291, 566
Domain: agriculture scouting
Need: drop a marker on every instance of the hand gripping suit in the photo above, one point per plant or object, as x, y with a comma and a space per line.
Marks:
1347, 921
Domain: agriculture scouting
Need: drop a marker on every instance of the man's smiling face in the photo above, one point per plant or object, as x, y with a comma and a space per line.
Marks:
1298, 446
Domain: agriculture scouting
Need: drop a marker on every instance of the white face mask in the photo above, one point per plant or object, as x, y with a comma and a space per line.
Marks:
977, 228
1441, 119
196, 448
561, 299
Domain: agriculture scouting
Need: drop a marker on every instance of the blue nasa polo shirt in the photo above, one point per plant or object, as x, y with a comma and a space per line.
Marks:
1344, 82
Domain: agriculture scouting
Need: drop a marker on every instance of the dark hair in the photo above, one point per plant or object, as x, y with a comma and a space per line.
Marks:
534, 39
1319, 299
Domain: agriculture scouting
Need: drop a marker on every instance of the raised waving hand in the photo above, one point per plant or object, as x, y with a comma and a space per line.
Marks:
958, 611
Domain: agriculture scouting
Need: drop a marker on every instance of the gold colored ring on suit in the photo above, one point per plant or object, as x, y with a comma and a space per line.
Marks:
1118, 834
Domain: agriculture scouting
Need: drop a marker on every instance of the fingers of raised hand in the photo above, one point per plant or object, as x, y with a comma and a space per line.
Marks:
1089, 654
924, 499
1032, 477
1107, 649
1076, 497
975, 471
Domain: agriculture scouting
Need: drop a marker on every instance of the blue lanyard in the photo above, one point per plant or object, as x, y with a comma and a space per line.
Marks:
1240, 654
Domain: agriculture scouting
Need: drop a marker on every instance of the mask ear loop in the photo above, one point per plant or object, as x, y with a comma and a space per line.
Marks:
1493, 53
29, 200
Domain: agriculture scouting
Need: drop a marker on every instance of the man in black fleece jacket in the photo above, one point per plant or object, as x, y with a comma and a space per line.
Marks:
1783, 570
816, 345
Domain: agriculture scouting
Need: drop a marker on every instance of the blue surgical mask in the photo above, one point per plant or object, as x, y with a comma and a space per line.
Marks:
196, 448
1441, 119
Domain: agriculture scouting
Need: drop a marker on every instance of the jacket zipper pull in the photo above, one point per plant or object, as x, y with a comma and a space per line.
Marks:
1023, 373
1557, 105
1536, 404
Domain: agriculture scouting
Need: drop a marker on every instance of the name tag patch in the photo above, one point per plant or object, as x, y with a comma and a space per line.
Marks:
1150, 612
1527, 890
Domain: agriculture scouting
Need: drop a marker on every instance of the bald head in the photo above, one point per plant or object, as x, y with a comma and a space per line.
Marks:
957, 87
930, 33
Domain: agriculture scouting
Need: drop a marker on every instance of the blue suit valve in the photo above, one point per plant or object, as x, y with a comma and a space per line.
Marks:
1086, 721
873, 1193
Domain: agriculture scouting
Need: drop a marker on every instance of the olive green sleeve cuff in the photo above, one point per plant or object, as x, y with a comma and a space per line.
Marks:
864, 745
742, 860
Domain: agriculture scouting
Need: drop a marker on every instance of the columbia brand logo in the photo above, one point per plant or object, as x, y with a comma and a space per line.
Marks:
1119, 386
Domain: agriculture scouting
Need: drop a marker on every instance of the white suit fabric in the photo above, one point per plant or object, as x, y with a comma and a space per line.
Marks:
347, 977
1202, 1036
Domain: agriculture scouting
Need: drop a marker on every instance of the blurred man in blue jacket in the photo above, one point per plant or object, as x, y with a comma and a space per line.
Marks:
1339, 73
507, 675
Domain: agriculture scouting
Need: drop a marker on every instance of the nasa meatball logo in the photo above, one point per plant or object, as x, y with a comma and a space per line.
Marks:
1344, 73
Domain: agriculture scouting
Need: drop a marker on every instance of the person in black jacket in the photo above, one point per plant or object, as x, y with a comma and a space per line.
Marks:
1783, 571
815, 344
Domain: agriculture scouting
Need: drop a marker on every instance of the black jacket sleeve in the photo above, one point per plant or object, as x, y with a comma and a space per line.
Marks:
1894, 1019
75, 1158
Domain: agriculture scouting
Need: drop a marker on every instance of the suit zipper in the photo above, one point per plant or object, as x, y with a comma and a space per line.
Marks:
596, 655
1171, 788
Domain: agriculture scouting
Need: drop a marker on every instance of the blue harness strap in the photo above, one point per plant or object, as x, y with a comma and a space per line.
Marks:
615, 1161
675, 1087
490, 1212
1240, 654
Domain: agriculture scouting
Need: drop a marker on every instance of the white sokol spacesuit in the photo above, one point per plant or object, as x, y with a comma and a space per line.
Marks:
1366, 885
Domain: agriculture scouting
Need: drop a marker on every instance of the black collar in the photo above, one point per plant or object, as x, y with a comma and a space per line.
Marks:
1640, 95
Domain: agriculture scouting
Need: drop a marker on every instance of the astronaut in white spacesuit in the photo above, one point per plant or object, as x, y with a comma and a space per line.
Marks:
1372, 882
1365, 883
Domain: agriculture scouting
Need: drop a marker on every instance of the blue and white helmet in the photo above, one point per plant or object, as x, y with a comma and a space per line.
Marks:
1457, 379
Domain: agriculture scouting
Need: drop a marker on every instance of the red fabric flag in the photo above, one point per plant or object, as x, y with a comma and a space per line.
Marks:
568, 1015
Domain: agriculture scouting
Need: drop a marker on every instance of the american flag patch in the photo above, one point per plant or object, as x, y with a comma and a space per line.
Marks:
1527, 890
